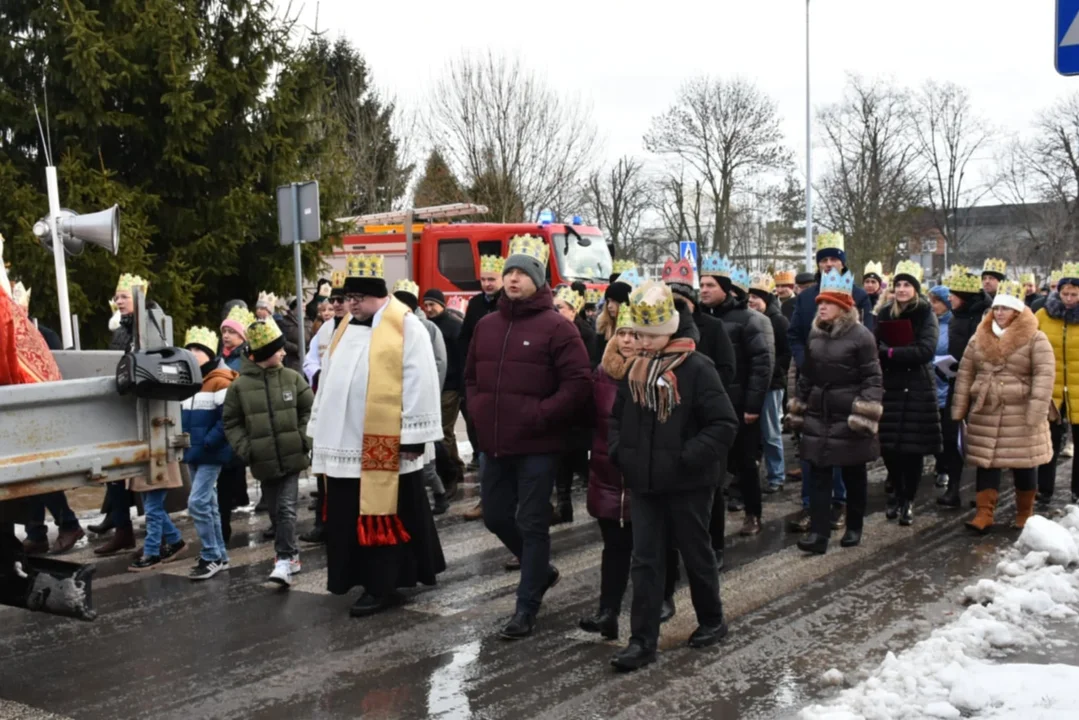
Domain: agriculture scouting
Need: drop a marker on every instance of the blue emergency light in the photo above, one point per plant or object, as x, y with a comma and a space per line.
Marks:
546, 217
577, 220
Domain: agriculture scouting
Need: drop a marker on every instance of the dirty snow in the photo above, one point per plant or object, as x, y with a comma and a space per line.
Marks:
953, 673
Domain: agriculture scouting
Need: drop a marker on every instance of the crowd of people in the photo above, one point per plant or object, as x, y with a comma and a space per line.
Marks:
651, 392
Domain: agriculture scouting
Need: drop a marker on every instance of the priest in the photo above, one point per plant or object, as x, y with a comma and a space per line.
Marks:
376, 409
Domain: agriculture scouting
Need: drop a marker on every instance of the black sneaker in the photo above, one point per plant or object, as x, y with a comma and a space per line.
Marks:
174, 551
206, 569
553, 576
144, 563
906, 514
520, 626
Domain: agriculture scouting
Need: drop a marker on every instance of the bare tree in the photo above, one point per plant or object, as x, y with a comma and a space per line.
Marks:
725, 132
949, 134
684, 208
873, 186
501, 127
618, 198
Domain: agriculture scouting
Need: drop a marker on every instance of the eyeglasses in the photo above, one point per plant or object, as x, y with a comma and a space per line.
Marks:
355, 297
337, 300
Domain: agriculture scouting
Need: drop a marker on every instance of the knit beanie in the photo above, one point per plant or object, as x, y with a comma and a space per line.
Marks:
940, 293
619, 292
436, 295
530, 266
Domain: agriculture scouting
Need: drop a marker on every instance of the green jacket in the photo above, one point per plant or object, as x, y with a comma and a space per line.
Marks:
266, 413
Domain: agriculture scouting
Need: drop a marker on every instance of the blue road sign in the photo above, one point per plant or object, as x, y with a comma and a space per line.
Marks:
688, 248
1066, 50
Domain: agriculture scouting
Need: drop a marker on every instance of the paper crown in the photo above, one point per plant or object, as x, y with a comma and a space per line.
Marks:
830, 241
492, 264
995, 266
1012, 289
1067, 270
241, 315
960, 280
570, 297
762, 282
1028, 277
679, 271
128, 282
266, 298
714, 264
593, 296
620, 266
337, 279
21, 295
651, 305
873, 268
365, 266
625, 318
835, 282
406, 286
261, 333
201, 336
910, 269
785, 277
630, 276
740, 278
529, 246
1055, 276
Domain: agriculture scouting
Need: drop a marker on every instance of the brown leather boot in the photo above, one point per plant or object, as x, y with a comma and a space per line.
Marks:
122, 539
475, 513
986, 502
1024, 507
751, 526
66, 540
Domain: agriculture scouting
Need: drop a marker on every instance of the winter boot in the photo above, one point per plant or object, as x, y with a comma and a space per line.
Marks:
950, 498
1024, 507
123, 539
987, 503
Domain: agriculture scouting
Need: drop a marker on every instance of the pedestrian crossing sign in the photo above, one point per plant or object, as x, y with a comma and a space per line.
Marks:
1066, 50
688, 248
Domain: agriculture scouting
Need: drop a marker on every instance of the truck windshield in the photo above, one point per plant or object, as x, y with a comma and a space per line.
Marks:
580, 262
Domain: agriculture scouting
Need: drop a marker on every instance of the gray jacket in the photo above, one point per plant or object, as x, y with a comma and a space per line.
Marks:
439, 345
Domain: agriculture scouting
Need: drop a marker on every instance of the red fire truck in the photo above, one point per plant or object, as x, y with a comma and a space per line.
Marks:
445, 255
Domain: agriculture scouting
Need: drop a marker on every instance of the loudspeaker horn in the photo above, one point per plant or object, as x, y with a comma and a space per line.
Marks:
100, 228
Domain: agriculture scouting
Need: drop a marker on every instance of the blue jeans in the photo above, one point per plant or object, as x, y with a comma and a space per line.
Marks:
772, 437
158, 523
839, 489
204, 512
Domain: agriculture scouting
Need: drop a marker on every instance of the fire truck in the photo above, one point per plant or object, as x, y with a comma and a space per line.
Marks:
426, 246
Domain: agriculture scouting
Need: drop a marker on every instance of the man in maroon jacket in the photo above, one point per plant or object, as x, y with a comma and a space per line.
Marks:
526, 375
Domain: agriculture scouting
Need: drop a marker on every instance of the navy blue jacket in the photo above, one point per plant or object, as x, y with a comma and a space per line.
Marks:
202, 419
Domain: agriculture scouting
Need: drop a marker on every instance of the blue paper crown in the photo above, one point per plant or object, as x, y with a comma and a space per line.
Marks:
740, 278
833, 281
714, 264
631, 277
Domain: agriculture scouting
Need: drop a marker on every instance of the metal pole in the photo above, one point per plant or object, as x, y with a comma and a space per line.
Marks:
408, 244
809, 160
75, 331
58, 257
298, 263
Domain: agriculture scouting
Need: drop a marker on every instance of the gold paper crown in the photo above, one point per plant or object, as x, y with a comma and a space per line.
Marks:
531, 246
21, 295
592, 296
571, 297
785, 277
994, 265
913, 269
1028, 277
268, 298
407, 286
651, 305
1068, 270
957, 270
1011, 288
492, 264
963, 282
625, 318
365, 266
1055, 276
337, 279
620, 266
128, 282
763, 282
201, 336
830, 241
241, 315
873, 268
261, 333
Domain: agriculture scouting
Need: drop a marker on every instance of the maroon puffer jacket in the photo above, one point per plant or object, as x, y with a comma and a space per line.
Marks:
607, 495
527, 373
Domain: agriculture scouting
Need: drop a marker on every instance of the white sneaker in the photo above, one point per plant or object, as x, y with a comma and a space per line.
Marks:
1069, 450
294, 566
281, 575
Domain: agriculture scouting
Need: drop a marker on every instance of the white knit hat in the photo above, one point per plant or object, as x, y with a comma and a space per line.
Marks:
1010, 295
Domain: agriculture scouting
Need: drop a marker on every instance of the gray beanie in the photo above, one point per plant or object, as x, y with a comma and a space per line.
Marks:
529, 265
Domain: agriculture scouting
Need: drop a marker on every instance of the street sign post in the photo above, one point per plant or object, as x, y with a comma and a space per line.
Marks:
1066, 45
298, 222
688, 250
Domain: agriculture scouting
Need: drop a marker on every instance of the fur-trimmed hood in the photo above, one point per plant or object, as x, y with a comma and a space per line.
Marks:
1055, 308
837, 328
1017, 335
614, 364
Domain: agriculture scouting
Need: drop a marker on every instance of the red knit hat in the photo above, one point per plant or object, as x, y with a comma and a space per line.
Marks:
843, 300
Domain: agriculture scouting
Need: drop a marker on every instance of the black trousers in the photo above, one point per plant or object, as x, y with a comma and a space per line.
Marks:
905, 470
942, 456
655, 517
989, 479
1047, 473
953, 459
616, 559
744, 461
229, 484
855, 478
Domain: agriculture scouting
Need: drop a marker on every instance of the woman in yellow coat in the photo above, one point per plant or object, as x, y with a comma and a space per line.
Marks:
1003, 391
1059, 320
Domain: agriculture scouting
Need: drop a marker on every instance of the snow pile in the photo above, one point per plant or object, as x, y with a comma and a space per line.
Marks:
950, 675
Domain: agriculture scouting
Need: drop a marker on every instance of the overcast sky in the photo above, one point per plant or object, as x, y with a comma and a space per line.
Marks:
627, 59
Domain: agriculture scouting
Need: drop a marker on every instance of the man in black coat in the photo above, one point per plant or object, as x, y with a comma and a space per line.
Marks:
434, 305
714, 342
762, 300
724, 296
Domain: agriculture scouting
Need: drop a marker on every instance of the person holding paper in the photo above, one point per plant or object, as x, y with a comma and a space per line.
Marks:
907, 334
938, 301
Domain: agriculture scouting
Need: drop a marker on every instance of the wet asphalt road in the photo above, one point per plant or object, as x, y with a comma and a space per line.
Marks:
164, 647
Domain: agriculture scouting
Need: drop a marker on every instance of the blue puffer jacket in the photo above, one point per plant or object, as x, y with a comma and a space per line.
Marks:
202, 420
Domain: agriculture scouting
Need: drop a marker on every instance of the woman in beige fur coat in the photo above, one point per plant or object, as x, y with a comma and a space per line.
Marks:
1003, 392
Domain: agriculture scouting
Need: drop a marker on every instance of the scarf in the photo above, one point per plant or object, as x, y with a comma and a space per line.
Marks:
652, 381
997, 329
380, 462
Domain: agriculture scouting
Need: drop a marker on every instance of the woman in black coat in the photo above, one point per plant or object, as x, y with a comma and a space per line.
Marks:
907, 334
836, 406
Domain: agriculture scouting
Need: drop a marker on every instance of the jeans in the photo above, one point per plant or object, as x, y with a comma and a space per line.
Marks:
855, 480
281, 497
158, 523
839, 488
516, 492
204, 512
1047, 473
772, 436
56, 503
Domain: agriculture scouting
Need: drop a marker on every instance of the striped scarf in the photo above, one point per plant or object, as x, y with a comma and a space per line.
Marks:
652, 381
